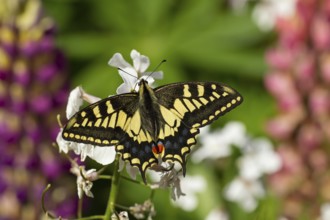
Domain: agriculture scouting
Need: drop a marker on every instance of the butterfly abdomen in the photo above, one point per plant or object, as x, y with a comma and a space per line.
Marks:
151, 120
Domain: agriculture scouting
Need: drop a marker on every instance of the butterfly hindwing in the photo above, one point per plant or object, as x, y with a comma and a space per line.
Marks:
178, 144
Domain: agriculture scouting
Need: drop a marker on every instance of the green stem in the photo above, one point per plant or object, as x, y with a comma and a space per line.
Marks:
80, 205
113, 190
105, 177
122, 207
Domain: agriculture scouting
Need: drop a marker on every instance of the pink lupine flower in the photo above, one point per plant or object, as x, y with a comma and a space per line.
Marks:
280, 58
302, 93
319, 102
321, 32
325, 67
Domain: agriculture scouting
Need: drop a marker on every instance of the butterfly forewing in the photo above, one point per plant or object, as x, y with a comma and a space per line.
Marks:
198, 103
102, 123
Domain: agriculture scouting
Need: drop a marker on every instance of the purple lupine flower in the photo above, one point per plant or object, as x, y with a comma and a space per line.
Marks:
33, 90
299, 80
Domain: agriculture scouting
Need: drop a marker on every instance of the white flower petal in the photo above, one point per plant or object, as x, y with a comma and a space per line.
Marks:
132, 171
213, 146
84, 150
234, 133
270, 162
130, 81
190, 185
217, 214
204, 131
218, 144
264, 17
267, 12
154, 176
155, 75
259, 158
90, 98
257, 189
121, 216
235, 191
193, 183
325, 211
249, 168
118, 61
84, 179
262, 144
268, 159
89, 172
187, 202
249, 204
103, 155
140, 62
87, 189
244, 192
132, 74
63, 145
75, 101
123, 88
121, 164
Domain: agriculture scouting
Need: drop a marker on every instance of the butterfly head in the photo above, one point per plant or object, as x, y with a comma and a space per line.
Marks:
143, 82
144, 87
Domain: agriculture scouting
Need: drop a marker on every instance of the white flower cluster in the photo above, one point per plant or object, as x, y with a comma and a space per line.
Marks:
133, 74
103, 155
192, 185
258, 159
84, 179
172, 179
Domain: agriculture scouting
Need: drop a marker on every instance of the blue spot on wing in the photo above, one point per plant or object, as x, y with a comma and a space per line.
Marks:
147, 148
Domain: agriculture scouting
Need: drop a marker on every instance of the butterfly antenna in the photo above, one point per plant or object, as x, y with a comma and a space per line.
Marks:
127, 72
163, 61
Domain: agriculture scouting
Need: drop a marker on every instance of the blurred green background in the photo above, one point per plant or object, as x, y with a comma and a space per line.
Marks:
201, 40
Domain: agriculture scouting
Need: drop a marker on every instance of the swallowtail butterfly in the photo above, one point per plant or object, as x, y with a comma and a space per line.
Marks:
152, 124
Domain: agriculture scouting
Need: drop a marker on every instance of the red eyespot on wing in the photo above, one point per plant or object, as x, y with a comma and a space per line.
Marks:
158, 149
